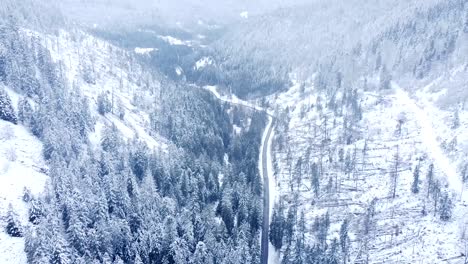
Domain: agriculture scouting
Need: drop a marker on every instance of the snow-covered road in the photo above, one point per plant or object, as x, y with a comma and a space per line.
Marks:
268, 252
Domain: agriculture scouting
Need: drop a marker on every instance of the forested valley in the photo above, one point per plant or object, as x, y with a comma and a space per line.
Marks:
140, 136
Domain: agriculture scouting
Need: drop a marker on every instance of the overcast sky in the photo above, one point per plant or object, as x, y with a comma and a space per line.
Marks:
115, 12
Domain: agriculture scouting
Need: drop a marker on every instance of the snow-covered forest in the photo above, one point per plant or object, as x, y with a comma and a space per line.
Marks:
139, 131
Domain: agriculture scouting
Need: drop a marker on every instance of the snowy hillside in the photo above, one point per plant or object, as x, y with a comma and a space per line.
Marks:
21, 166
348, 158
238, 132
99, 68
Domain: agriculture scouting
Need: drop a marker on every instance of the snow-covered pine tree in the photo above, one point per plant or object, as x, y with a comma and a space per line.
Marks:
7, 112
104, 104
13, 227
35, 211
344, 239
415, 186
25, 111
445, 207
277, 227
27, 196
201, 255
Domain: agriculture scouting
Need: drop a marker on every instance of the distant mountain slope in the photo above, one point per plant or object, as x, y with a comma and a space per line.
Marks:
349, 39
141, 168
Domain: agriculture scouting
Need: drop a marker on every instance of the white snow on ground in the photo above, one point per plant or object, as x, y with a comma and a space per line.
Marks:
21, 165
175, 41
203, 62
425, 134
21, 162
235, 100
429, 140
109, 66
144, 51
179, 70
244, 14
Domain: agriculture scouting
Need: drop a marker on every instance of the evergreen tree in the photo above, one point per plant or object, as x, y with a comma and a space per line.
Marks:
61, 253
7, 112
104, 104
13, 227
201, 255
430, 179
445, 207
277, 226
415, 186
315, 179
25, 111
227, 213
344, 239
139, 160
35, 212
289, 225
27, 195
110, 139
385, 78
138, 259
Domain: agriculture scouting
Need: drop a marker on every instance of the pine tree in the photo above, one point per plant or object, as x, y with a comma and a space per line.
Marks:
25, 111
35, 212
289, 225
315, 179
430, 179
7, 112
445, 207
27, 195
110, 140
104, 104
415, 186
277, 227
227, 214
344, 239
385, 78
118, 260
13, 227
139, 160
61, 253
201, 255
138, 259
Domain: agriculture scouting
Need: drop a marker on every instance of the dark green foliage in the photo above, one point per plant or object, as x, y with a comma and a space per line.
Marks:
139, 160
25, 111
35, 211
315, 178
123, 202
194, 120
446, 207
415, 185
344, 239
7, 112
104, 104
13, 227
277, 226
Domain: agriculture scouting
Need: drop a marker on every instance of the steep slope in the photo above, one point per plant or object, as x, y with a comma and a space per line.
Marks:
141, 169
346, 39
21, 167
356, 163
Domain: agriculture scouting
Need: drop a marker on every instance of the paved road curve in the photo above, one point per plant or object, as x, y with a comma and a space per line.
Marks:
266, 197
266, 189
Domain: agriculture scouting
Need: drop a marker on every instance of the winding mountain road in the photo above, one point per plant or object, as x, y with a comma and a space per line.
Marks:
263, 166
266, 192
